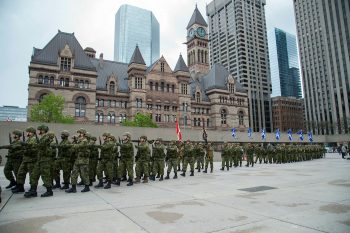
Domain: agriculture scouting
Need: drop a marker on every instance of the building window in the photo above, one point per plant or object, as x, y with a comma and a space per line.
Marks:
100, 103
52, 81
66, 82
162, 67
46, 80
65, 63
173, 88
184, 88
122, 117
158, 107
61, 82
40, 79
194, 121
231, 88
223, 117
208, 122
166, 108
81, 84
138, 83
156, 86
151, 86
86, 84
99, 117
149, 106
167, 87
80, 107
158, 117
162, 86
198, 97
240, 118
41, 97
138, 103
111, 118
113, 103
76, 83
111, 88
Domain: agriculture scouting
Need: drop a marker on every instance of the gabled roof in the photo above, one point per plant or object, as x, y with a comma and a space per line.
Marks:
239, 87
49, 54
180, 65
137, 57
196, 18
216, 78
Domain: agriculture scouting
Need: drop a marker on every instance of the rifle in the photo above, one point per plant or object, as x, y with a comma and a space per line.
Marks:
99, 138
10, 138
36, 136
204, 135
56, 140
119, 140
23, 137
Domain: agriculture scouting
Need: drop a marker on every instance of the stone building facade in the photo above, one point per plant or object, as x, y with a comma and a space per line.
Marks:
107, 92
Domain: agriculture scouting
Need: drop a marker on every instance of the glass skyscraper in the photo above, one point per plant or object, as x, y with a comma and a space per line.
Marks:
284, 67
136, 26
13, 113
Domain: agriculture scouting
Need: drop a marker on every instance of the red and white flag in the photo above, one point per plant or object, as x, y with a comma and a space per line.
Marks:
178, 131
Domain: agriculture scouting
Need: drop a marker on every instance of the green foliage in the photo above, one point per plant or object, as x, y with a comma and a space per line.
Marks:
50, 110
141, 120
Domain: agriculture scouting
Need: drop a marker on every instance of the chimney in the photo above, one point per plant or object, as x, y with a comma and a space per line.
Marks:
101, 60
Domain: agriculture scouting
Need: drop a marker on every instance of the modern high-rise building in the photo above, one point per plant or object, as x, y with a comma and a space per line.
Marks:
284, 64
136, 26
13, 113
238, 40
324, 46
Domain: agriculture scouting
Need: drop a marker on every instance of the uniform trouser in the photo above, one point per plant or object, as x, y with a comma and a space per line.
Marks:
207, 161
92, 168
270, 158
43, 169
172, 164
64, 165
126, 165
250, 160
225, 161
106, 166
188, 160
11, 168
231, 160
115, 168
26, 167
200, 162
83, 171
158, 167
142, 167
179, 161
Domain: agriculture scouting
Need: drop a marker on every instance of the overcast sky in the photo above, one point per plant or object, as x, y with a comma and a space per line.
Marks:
25, 24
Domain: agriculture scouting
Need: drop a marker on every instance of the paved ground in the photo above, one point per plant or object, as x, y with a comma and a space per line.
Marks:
311, 196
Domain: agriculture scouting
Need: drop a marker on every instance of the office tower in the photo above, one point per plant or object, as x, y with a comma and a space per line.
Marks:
136, 26
284, 66
237, 34
324, 47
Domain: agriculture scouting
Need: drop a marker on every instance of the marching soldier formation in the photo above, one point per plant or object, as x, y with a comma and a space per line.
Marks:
111, 162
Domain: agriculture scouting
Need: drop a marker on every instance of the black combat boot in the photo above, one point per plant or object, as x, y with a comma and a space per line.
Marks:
205, 170
117, 182
19, 189
183, 174
161, 178
57, 185
65, 186
100, 184
87, 188
175, 176
31, 193
227, 168
153, 178
192, 173
145, 180
11, 184
167, 176
91, 181
73, 189
124, 178
130, 182
222, 169
48, 193
157, 175
108, 185
137, 180
199, 169
211, 170
80, 183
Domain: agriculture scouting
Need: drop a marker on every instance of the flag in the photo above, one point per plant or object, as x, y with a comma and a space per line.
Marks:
301, 136
289, 132
278, 134
233, 132
178, 131
250, 133
309, 134
263, 134
204, 135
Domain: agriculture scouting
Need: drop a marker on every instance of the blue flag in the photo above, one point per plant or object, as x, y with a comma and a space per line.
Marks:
263, 134
233, 132
301, 135
250, 133
278, 134
309, 134
289, 132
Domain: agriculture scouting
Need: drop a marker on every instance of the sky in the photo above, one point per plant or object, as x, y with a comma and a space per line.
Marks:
25, 24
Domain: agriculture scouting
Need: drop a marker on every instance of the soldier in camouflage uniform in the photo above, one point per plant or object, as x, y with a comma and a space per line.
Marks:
43, 165
28, 161
126, 159
225, 157
93, 159
237, 155
270, 150
180, 158
188, 158
200, 156
209, 158
250, 150
63, 161
81, 165
14, 158
171, 158
158, 156
142, 164
105, 164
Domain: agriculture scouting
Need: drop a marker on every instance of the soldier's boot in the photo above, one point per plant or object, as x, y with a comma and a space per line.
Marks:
161, 178
108, 185
130, 183
117, 182
80, 183
31, 192
167, 176
19, 188
183, 174
205, 170
222, 169
100, 184
227, 168
57, 185
199, 169
91, 181
211, 170
145, 180
124, 178
48, 192
85, 189
192, 173
178, 168
153, 178
137, 180
73, 189
65, 186
11, 184
240, 164
157, 175
175, 176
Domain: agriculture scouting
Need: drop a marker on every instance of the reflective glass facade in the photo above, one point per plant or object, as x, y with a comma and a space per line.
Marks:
136, 26
285, 76
13, 113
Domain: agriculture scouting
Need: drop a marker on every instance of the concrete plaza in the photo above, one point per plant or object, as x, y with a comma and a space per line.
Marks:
312, 196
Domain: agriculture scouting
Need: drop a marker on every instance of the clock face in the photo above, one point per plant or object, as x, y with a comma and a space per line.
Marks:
191, 32
201, 32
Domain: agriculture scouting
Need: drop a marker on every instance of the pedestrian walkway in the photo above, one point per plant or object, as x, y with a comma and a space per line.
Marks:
311, 196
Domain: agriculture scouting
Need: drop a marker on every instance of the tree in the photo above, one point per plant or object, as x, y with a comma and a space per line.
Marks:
50, 110
141, 120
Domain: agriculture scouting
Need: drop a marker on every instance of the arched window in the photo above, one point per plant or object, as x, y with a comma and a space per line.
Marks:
81, 84
41, 97
151, 86
223, 116
173, 88
46, 80
194, 121
111, 88
66, 82
156, 86
86, 84
240, 118
52, 81
198, 97
99, 117
61, 82
80, 107
40, 79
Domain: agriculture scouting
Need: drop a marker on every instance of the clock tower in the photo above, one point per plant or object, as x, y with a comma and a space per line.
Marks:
197, 44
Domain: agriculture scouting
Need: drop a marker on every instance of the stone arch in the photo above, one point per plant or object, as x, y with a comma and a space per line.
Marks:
83, 95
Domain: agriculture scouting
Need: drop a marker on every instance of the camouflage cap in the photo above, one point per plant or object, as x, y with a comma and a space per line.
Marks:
159, 139
30, 130
127, 134
93, 138
106, 134
82, 131
65, 133
17, 132
43, 128
51, 134
144, 137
